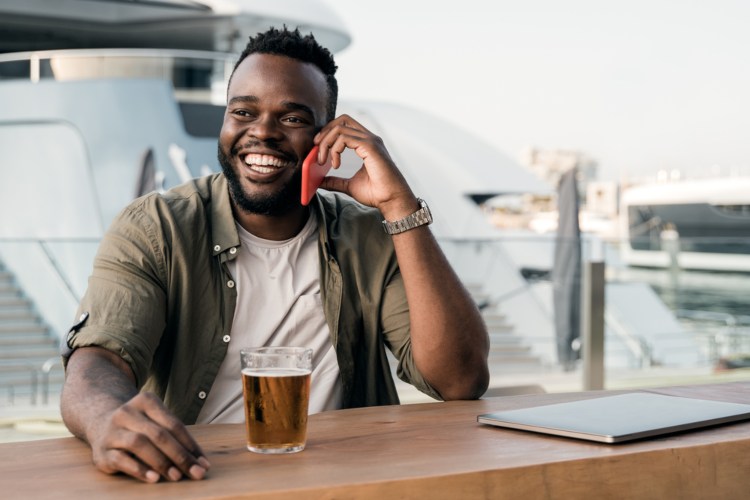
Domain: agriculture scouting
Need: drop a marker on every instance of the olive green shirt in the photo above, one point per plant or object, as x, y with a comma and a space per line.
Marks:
162, 298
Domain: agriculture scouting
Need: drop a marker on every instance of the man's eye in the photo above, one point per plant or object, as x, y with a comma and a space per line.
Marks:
241, 112
295, 120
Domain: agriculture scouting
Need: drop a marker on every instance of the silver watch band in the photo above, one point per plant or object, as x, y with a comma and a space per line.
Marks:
419, 218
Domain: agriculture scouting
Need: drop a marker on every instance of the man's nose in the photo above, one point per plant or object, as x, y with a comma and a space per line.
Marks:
265, 128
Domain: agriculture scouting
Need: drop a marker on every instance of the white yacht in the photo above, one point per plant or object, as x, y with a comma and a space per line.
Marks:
701, 224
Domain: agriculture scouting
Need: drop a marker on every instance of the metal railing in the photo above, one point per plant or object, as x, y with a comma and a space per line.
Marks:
47, 366
196, 75
39, 376
48, 270
725, 334
720, 333
15, 365
728, 333
638, 346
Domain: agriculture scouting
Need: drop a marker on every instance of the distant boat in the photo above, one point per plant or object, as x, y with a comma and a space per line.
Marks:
693, 224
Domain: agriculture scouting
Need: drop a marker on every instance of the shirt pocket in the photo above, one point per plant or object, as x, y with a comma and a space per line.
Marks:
306, 308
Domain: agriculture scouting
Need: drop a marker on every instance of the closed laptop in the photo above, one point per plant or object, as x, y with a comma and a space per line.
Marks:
619, 418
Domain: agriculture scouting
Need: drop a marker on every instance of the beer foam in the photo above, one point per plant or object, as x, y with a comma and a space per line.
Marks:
275, 372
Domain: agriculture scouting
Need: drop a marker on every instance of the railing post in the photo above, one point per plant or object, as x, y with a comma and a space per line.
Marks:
34, 68
46, 367
34, 385
592, 317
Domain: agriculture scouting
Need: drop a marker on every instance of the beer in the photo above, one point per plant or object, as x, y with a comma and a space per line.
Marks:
276, 401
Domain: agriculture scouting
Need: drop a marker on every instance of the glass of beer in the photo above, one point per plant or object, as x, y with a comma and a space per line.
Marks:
276, 388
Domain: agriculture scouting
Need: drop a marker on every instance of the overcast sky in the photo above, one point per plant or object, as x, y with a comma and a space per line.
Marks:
640, 85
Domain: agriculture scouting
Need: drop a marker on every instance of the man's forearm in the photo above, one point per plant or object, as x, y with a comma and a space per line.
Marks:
449, 338
96, 383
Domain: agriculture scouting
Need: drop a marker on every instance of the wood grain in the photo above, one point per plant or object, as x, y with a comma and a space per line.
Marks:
431, 450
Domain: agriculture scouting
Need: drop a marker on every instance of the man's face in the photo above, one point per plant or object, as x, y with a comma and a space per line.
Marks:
275, 106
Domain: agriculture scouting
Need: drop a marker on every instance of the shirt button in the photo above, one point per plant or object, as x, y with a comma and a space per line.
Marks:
227, 338
202, 395
230, 284
233, 250
217, 248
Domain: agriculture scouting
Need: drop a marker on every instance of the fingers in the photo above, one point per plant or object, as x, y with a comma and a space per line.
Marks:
338, 184
342, 133
173, 432
145, 441
342, 122
115, 461
378, 183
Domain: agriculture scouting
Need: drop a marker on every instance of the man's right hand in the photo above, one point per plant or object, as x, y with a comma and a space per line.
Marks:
129, 432
142, 439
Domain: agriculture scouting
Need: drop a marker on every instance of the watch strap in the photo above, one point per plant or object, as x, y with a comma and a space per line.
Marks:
421, 217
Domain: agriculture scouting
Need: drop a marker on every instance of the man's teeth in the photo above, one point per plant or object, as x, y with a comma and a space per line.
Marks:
262, 170
265, 164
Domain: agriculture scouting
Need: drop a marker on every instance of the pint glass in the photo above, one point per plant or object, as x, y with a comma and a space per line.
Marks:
276, 388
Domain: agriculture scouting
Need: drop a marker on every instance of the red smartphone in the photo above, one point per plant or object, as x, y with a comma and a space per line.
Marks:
312, 174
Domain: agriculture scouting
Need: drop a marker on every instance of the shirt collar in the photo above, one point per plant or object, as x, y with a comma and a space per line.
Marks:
224, 232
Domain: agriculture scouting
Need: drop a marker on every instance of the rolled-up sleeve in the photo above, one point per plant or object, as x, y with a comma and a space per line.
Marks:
395, 325
126, 295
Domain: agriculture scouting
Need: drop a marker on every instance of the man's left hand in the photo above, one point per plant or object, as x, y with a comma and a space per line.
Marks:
378, 183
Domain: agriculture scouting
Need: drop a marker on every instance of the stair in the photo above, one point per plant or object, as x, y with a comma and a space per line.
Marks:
26, 344
508, 351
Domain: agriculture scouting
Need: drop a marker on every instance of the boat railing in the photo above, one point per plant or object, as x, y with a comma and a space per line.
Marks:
195, 75
41, 296
639, 348
16, 365
730, 338
635, 336
51, 273
45, 370
38, 378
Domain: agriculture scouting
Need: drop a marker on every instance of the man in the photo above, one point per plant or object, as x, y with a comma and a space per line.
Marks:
184, 279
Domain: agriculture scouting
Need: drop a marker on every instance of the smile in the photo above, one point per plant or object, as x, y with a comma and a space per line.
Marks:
266, 164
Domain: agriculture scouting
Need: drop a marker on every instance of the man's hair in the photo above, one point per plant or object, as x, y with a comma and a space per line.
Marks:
302, 48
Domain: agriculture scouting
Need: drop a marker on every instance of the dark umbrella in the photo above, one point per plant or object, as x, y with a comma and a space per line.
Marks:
566, 272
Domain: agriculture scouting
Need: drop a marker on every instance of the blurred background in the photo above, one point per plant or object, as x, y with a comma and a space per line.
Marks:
546, 137
640, 86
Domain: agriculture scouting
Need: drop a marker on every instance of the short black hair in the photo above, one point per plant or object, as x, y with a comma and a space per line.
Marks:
300, 47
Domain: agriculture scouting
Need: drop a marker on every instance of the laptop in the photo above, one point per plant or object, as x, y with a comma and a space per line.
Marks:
620, 418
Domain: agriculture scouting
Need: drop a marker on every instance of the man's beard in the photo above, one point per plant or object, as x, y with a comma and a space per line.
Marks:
281, 202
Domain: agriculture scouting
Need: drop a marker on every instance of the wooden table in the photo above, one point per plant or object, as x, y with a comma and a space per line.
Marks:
431, 450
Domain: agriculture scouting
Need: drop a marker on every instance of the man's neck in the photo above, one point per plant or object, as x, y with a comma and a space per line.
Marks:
274, 228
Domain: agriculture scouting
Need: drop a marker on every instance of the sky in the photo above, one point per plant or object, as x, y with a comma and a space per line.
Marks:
638, 85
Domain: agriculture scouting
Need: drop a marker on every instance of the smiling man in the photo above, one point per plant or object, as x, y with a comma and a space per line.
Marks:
184, 279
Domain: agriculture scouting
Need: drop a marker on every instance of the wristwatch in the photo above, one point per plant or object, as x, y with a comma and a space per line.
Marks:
419, 218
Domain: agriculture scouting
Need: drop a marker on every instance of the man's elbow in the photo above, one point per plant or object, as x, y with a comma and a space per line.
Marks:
472, 384
474, 378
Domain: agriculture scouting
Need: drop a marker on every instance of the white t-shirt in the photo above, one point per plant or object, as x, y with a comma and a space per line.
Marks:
278, 304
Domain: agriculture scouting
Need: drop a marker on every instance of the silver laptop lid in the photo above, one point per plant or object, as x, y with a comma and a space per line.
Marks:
618, 418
